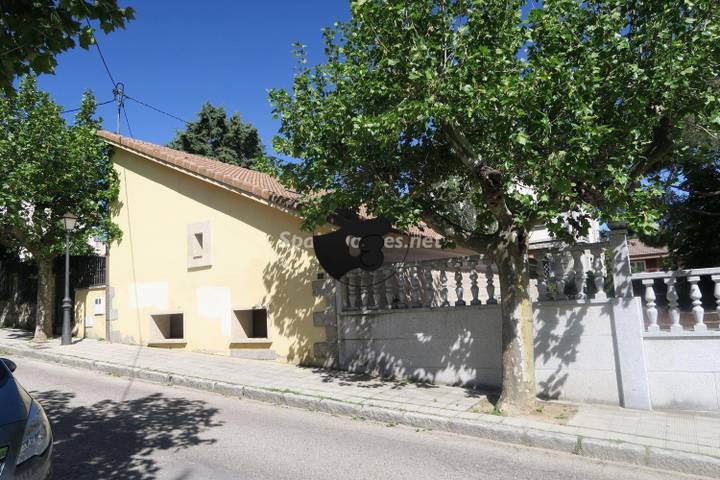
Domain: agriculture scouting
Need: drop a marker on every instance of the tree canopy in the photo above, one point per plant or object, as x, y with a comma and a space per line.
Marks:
485, 118
690, 222
226, 138
33, 33
47, 169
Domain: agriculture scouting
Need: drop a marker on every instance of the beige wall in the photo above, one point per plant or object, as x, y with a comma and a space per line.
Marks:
87, 323
250, 265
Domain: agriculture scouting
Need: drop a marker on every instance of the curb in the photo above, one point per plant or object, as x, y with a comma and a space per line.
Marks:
486, 428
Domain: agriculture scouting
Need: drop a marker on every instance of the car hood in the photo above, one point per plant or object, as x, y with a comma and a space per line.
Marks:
14, 400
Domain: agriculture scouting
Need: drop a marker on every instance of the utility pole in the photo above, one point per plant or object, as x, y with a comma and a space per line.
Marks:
119, 92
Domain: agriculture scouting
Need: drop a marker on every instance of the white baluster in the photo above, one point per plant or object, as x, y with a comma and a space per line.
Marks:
697, 309
428, 284
474, 289
443, 285
579, 269
415, 293
389, 284
490, 287
365, 289
650, 309
542, 286
459, 291
357, 290
402, 292
346, 293
559, 268
673, 308
716, 293
599, 271
378, 287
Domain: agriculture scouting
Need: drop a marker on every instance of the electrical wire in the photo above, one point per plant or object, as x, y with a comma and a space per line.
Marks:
156, 109
119, 92
127, 121
78, 108
102, 57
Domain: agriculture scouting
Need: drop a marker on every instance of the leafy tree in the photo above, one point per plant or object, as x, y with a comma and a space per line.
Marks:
46, 170
690, 225
483, 120
215, 135
33, 33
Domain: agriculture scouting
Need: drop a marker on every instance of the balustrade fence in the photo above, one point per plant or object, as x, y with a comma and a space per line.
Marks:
681, 299
557, 273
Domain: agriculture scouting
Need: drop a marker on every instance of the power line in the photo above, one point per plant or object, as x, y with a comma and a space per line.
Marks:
127, 121
102, 57
78, 108
119, 90
155, 108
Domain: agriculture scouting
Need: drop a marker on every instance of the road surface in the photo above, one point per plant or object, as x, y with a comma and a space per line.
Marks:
113, 428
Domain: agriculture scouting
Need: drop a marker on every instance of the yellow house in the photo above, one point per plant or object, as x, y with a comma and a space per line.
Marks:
204, 263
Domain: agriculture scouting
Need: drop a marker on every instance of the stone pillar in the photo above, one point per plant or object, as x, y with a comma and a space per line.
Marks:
627, 331
331, 291
622, 275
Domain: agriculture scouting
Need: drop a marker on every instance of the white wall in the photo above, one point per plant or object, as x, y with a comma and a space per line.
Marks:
684, 370
462, 346
585, 351
575, 352
443, 345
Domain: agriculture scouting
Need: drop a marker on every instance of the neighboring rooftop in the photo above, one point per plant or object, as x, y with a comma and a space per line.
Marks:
638, 249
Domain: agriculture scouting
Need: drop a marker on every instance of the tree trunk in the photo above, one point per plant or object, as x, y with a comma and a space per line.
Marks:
45, 299
518, 357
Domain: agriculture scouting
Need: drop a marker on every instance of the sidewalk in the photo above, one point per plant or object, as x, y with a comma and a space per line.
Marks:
683, 441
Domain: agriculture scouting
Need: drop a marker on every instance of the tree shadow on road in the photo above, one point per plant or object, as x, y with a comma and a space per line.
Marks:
116, 440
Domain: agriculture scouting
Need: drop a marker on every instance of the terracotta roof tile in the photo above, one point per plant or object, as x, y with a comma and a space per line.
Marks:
639, 249
249, 181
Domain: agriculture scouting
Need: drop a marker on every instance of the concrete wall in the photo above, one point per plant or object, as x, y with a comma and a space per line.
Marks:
684, 370
575, 352
574, 347
439, 345
586, 351
249, 265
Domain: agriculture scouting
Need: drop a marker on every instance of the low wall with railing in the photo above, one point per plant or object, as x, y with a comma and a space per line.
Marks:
440, 322
681, 340
574, 347
597, 339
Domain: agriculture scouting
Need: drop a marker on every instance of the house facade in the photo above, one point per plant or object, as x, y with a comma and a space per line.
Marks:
644, 258
203, 263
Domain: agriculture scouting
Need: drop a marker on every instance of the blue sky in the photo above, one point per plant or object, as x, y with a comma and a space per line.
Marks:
178, 54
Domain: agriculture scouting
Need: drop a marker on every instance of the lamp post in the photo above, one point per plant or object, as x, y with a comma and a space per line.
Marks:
69, 221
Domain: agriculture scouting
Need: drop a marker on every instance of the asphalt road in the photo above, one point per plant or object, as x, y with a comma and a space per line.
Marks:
113, 428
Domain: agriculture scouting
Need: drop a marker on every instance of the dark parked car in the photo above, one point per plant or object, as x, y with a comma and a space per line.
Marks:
25, 434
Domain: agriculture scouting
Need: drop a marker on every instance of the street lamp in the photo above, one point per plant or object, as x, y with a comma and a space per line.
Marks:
69, 221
